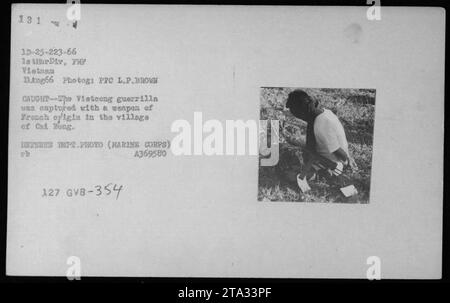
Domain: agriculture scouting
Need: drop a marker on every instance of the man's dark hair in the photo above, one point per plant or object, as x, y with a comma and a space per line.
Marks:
300, 103
298, 98
302, 106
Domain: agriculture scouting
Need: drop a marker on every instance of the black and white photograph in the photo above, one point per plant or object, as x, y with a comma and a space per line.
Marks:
325, 145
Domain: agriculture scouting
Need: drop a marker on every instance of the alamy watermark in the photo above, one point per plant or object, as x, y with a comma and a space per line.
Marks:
374, 270
73, 12
235, 137
374, 11
74, 270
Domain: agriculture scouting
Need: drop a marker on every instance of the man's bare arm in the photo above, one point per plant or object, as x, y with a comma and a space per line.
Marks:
341, 155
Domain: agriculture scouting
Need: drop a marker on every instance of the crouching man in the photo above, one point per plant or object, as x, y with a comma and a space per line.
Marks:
326, 143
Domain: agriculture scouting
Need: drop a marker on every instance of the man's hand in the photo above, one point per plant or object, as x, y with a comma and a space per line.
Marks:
341, 155
353, 165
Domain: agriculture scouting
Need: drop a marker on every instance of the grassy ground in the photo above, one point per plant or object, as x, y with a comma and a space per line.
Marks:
355, 109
